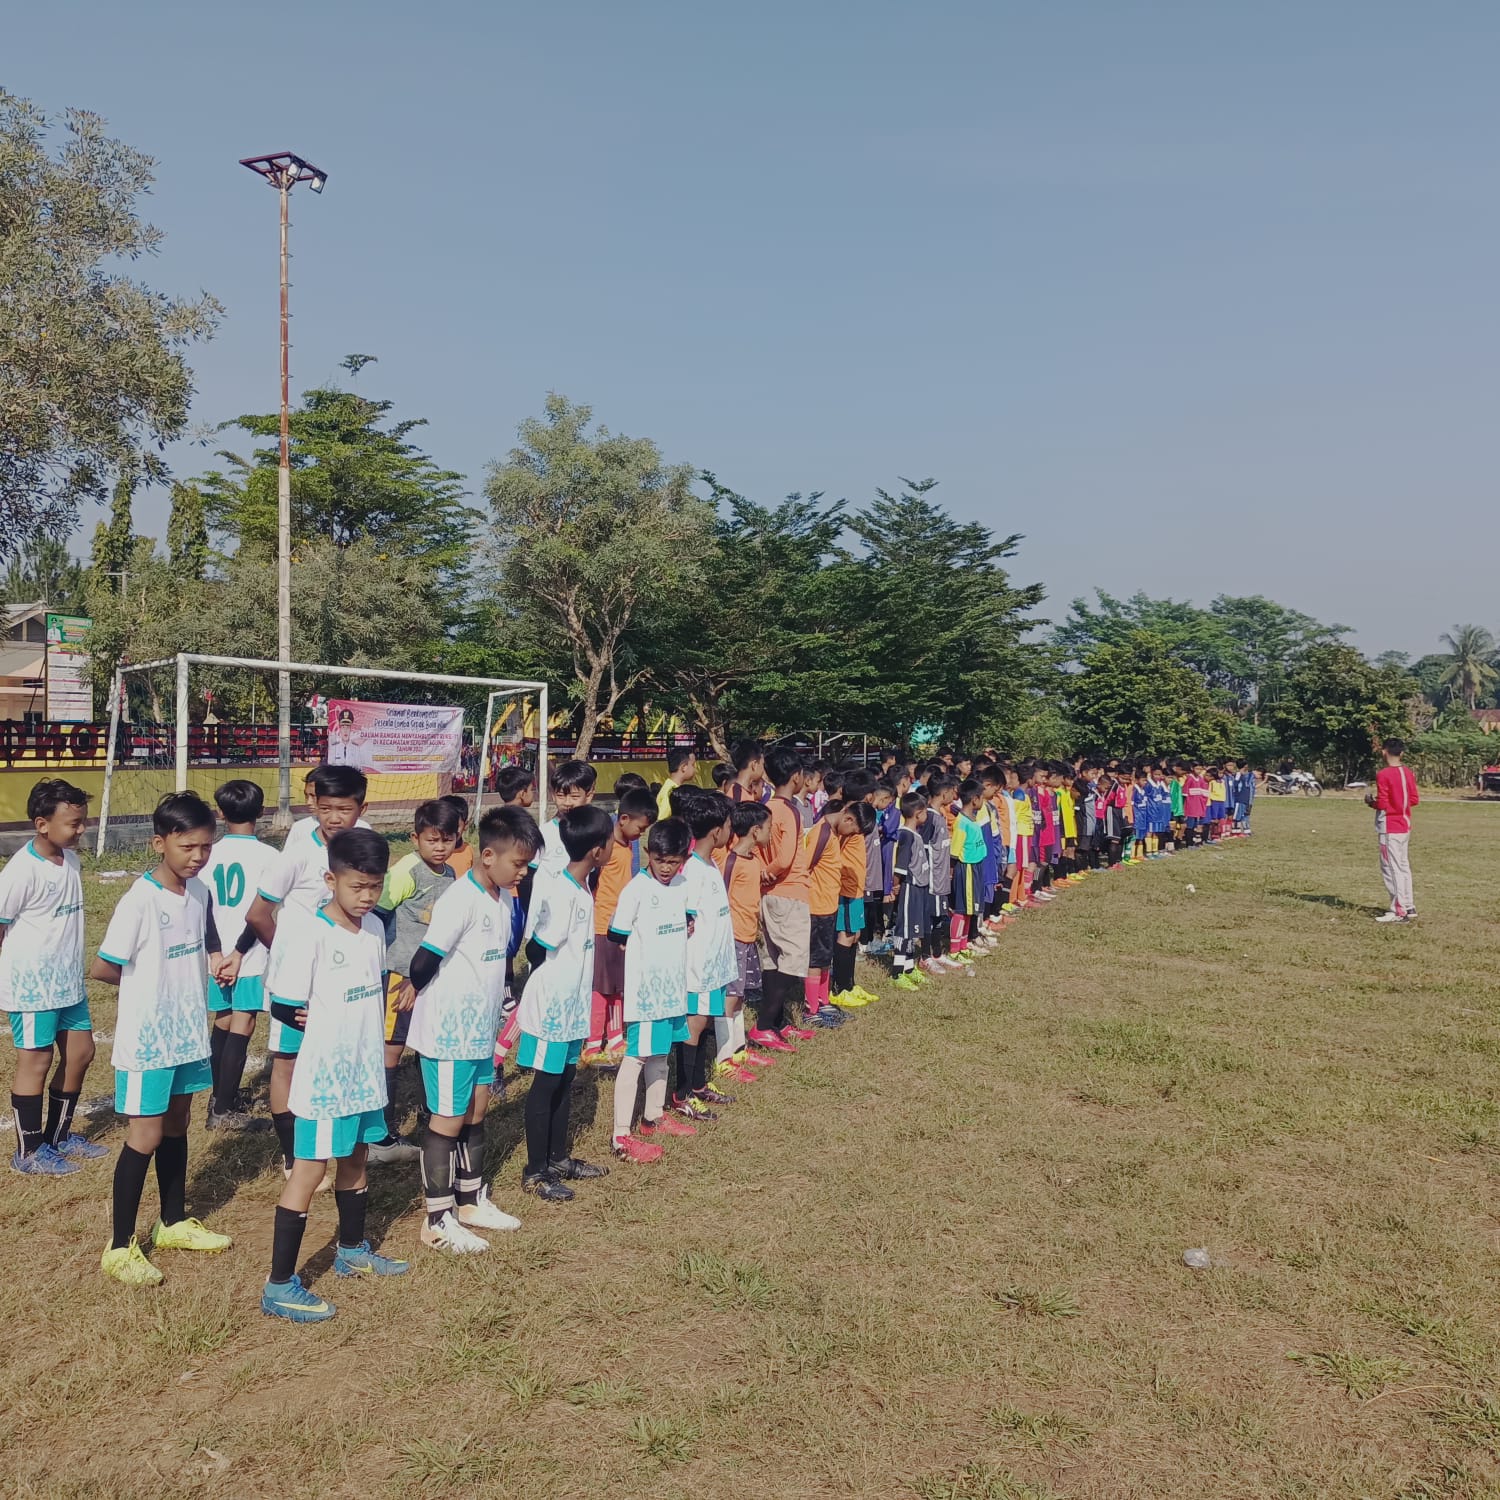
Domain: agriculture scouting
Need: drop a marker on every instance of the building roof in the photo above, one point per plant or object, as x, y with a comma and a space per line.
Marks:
1489, 717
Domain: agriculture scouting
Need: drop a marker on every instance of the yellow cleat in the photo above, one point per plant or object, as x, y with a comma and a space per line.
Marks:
865, 995
848, 1000
130, 1266
189, 1234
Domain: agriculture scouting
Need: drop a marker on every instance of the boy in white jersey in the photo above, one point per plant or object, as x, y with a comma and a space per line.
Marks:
332, 972
556, 1003
711, 962
459, 976
572, 785
236, 867
41, 981
295, 888
652, 921
161, 948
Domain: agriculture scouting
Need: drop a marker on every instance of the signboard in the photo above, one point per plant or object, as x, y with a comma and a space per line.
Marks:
70, 691
384, 738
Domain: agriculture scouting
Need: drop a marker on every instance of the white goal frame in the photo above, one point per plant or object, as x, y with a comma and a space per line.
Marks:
184, 660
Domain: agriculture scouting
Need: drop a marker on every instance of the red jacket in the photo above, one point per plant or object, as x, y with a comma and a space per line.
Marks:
1395, 796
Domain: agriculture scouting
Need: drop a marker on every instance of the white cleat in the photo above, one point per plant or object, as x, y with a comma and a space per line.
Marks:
484, 1214
448, 1234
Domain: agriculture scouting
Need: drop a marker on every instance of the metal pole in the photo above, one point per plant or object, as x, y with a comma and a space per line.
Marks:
541, 755
283, 817
484, 757
117, 687
182, 724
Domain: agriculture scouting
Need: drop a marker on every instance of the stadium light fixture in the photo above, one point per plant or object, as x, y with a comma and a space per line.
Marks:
284, 170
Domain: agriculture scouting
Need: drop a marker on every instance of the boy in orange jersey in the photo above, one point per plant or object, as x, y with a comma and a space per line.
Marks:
741, 866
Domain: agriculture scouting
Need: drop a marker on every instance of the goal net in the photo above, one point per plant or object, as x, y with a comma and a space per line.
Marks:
193, 722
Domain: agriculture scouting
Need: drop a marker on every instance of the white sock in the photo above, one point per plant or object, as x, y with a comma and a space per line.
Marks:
738, 1031
656, 1086
723, 1038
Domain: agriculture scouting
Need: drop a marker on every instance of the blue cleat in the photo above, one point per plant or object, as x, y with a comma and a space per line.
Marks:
292, 1301
363, 1261
43, 1162
76, 1148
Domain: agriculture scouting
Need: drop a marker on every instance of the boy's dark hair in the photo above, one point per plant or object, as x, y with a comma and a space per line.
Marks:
858, 784
912, 803
361, 850
440, 814
636, 802
181, 812
969, 789
460, 805
722, 774
680, 798
745, 816
864, 817
747, 751
679, 755
1395, 747
943, 785
992, 776
337, 781
574, 776
669, 839
584, 828
834, 781
782, 764
707, 811
501, 827
51, 793
240, 801
631, 781
512, 781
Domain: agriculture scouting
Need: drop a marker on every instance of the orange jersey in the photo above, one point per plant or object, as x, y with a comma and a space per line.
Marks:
824, 876
741, 874
614, 876
786, 856
461, 861
852, 865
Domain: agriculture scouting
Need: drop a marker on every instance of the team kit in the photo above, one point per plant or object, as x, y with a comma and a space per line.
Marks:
687, 943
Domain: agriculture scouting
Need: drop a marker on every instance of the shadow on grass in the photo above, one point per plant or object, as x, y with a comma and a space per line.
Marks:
1327, 898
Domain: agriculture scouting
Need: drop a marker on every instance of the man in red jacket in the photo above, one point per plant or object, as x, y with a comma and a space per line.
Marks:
1394, 797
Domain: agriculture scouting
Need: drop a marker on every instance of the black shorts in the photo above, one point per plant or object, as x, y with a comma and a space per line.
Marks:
821, 941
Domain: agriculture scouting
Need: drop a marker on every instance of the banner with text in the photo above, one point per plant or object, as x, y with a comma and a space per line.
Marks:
70, 691
385, 738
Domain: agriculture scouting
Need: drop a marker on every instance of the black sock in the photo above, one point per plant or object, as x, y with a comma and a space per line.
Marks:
468, 1163
561, 1116
437, 1173
351, 1205
538, 1119
230, 1072
390, 1100
285, 1123
28, 1108
700, 1071
843, 968
286, 1243
130, 1183
687, 1065
60, 1107
217, 1036
171, 1178
772, 1013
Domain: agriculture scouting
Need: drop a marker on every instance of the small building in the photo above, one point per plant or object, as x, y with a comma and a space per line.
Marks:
23, 662
1488, 719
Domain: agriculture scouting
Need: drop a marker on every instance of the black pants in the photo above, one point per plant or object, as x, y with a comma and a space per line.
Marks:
548, 1117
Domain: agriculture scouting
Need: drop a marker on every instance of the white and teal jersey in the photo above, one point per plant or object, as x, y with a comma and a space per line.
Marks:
295, 882
711, 962
552, 857
555, 1003
41, 910
654, 918
236, 867
457, 1017
338, 975
159, 941
304, 828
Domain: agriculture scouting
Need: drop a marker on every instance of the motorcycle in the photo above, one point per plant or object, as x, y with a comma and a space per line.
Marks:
1292, 783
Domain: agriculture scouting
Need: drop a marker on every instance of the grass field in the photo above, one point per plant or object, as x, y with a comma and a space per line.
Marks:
938, 1255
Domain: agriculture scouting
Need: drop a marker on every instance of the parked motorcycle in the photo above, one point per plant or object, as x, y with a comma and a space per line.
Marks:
1293, 783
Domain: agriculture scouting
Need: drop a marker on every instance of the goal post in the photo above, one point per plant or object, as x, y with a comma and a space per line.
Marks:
253, 745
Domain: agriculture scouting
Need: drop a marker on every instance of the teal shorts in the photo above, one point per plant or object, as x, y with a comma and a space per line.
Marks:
706, 1003
546, 1057
37, 1029
851, 914
283, 1038
151, 1090
248, 994
654, 1038
450, 1085
326, 1140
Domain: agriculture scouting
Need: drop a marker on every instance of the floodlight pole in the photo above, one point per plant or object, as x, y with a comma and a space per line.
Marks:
284, 171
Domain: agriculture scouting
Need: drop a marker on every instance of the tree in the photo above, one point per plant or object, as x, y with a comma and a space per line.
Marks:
1136, 698
43, 569
355, 475
1335, 706
187, 532
589, 530
1470, 673
1262, 639
114, 543
92, 374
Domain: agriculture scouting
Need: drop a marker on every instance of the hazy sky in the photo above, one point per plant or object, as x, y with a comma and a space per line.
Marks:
1200, 297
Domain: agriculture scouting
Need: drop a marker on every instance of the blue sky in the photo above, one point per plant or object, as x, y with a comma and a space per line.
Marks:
1199, 297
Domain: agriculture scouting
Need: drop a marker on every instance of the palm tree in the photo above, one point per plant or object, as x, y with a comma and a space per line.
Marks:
1470, 672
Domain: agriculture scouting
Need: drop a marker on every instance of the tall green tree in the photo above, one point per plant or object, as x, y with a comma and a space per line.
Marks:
44, 569
591, 529
1134, 697
114, 542
93, 377
1470, 672
1335, 706
187, 532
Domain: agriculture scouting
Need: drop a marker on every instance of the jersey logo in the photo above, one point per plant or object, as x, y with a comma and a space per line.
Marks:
486, 923
164, 918
338, 958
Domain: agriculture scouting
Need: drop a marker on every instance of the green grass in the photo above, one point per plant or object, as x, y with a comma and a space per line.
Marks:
937, 1255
